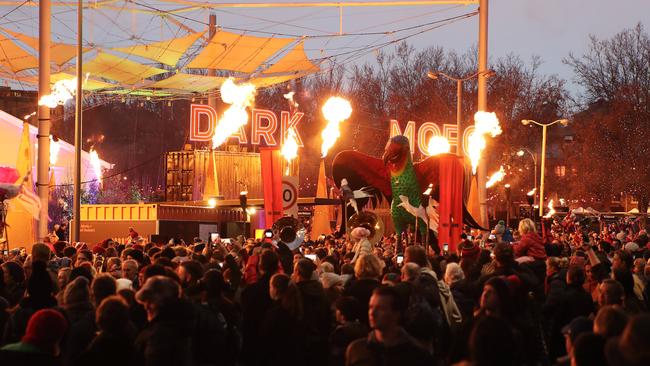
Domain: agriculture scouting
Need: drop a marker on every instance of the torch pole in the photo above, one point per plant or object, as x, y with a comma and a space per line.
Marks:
482, 102
43, 163
77, 126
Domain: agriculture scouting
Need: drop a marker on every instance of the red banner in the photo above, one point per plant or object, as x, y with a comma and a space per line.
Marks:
272, 179
451, 201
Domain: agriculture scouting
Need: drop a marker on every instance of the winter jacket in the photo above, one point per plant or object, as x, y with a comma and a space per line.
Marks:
81, 331
110, 350
316, 319
361, 248
167, 339
255, 302
26, 354
283, 338
370, 352
341, 338
361, 289
530, 245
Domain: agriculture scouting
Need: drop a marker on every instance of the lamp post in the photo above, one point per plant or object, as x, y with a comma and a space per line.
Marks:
507, 191
459, 98
564, 122
521, 152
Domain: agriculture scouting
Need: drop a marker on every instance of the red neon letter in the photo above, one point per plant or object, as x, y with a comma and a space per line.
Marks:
265, 132
287, 123
196, 133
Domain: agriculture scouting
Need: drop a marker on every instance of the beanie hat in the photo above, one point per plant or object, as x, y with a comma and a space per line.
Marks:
123, 284
76, 292
330, 279
45, 328
631, 247
360, 232
469, 250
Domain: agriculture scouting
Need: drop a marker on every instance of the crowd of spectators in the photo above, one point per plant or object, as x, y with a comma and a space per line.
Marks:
571, 293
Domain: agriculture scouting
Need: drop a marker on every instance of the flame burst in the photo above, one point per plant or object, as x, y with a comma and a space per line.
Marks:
96, 165
62, 91
484, 123
239, 97
54, 150
496, 177
289, 97
290, 147
531, 192
335, 110
438, 145
551, 210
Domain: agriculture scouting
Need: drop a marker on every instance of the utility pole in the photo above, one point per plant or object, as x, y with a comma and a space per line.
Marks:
43, 163
482, 103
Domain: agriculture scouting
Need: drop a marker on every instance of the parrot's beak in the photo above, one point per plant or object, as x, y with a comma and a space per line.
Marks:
391, 154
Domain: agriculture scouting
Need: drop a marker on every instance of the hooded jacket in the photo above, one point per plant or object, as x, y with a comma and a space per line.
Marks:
530, 245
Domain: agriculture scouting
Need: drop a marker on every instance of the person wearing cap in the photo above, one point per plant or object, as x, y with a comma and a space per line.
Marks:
571, 331
40, 344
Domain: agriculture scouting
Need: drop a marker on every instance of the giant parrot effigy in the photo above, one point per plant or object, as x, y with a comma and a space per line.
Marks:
396, 178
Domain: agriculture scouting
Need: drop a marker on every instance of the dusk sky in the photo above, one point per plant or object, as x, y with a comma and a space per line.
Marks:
550, 28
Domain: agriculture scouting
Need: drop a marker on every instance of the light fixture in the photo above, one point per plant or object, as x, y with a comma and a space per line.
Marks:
212, 202
525, 122
564, 122
520, 153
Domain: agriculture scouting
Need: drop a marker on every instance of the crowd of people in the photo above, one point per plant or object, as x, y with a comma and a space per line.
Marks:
569, 294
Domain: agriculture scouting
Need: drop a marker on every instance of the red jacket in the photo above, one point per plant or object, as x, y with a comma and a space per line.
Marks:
530, 245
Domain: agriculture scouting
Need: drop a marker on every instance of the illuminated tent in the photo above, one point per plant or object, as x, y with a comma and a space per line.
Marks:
60, 53
119, 69
14, 58
294, 61
166, 52
237, 52
190, 83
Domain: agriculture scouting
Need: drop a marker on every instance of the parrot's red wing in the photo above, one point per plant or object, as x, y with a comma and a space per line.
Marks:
428, 171
361, 170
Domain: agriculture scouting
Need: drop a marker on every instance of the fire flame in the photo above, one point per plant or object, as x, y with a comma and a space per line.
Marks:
496, 177
289, 97
54, 150
484, 123
335, 110
239, 97
290, 147
531, 192
62, 91
96, 165
551, 210
438, 145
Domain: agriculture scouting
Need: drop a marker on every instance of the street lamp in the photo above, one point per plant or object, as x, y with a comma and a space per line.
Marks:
459, 96
564, 122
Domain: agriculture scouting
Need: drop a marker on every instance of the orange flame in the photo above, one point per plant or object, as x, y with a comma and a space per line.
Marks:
551, 210
96, 165
496, 177
484, 123
54, 150
290, 147
335, 110
438, 145
239, 97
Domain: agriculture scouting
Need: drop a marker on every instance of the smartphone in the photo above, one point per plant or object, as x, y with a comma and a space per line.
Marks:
311, 256
400, 259
268, 234
470, 238
492, 237
221, 264
445, 248
214, 237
